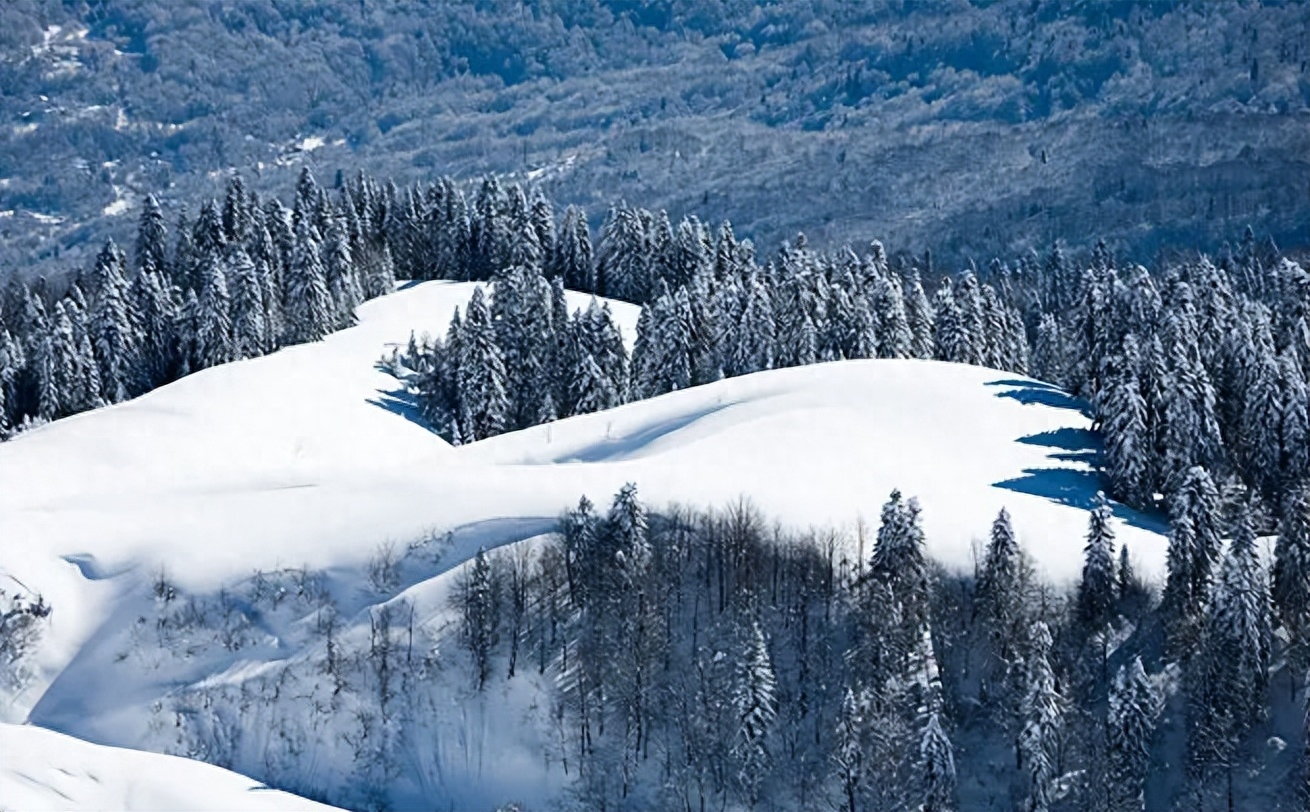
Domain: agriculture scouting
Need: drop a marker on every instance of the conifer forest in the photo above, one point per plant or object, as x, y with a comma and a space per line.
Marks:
560, 617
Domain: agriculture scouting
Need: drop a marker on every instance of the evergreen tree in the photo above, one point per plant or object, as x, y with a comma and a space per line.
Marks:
573, 256
1122, 412
936, 766
1049, 360
1096, 590
484, 404
1291, 576
112, 332
756, 708
919, 317
1001, 594
152, 299
152, 239
1133, 709
1232, 667
213, 336
249, 328
341, 276
1042, 712
308, 309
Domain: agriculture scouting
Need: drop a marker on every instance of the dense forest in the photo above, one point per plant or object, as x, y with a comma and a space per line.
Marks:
974, 128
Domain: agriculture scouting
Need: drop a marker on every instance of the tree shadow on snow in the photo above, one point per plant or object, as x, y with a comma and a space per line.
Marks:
1075, 487
402, 403
1042, 393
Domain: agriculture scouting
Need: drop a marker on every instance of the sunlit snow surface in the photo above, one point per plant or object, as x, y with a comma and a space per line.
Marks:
43, 770
313, 457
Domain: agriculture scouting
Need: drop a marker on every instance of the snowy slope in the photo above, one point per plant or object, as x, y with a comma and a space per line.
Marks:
311, 457
43, 770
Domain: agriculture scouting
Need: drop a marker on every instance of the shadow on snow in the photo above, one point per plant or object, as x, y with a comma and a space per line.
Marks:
1073, 486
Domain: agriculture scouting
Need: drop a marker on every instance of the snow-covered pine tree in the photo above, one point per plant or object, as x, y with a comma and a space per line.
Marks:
755, 702
156, 310
341, 276
484, 403
573, 256
623, 256
951, 338
213, 336
60, 396
308, 310
249, 329
112, 331
1291, 576
1000, 601
1042, 713
1096, 591
1231, 670
936, 767
152, 239
899, 563
1134, 706
919, 317
1294, 421
1049, 359
1122, 413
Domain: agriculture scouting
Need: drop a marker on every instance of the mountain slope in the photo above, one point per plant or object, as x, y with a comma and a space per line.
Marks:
304, 457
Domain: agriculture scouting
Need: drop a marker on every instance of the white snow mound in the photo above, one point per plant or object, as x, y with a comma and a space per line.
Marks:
44, 770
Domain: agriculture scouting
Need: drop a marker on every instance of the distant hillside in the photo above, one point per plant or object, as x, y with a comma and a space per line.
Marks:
974, 129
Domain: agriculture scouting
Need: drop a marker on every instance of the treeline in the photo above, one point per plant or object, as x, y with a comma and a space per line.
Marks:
704, 659
1204, 363
247, 277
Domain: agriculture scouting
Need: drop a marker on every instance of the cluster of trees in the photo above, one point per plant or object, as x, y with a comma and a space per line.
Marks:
245, 278
711, 310
707, 658
1205, 365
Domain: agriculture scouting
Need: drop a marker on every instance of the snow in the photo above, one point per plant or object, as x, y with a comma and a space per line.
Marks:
313, 457
119, 206
44, 770
310, 143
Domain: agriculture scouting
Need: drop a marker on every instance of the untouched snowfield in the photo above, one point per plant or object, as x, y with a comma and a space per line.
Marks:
43, 770
312, 457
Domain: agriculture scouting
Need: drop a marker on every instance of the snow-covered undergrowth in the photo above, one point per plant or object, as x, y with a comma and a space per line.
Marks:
252, 565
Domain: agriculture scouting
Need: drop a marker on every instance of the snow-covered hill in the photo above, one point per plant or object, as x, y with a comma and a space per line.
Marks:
312, 458
43, 770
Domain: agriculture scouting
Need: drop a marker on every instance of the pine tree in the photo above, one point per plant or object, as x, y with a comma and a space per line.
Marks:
1001, 593
919, 317
1049, 360
112, 331
1042, 714
1096, 590
213, 336
756, 708
952, 338
484, 403
156, 311
1294, 421
249, 328
936, 766
898, 563
1232, 667
308, 304
152, 239
1133, 709
1291, 576
481, 615
341, 276
573, 256
1123, 421
1195, 543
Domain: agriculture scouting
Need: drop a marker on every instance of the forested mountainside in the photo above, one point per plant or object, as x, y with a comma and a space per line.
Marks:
978, 129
